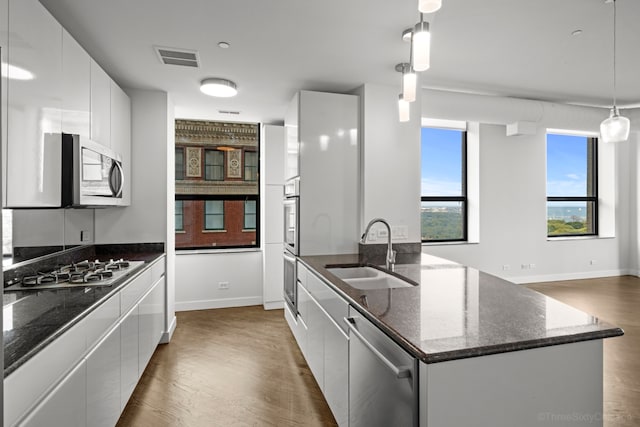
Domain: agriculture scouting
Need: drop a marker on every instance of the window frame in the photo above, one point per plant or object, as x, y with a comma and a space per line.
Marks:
205, 228
255, 215
255, 167
463, 198
182, 165
593, 176
181, 215
213, 165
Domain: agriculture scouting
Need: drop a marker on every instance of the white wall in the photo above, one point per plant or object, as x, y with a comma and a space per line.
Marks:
198, 277
390, 160
513, 193
149, 219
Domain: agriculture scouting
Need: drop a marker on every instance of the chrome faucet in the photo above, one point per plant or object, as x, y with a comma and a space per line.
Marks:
391, 254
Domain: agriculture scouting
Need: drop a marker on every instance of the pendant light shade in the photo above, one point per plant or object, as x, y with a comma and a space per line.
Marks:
615, 128
429, 6
404, 109
222, 88
421, 41
409, 83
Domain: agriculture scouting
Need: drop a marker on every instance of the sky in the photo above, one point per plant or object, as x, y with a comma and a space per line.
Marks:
442, 172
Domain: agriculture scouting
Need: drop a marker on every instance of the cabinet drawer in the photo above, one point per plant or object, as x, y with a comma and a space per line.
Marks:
100, 320
302, 274
335, 306
134, 290
157, 270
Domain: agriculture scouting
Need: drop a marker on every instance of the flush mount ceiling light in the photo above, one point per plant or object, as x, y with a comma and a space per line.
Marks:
616, 127
429, 6
221, 88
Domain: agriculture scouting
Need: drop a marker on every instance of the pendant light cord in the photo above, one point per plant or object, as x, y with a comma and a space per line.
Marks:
614, 53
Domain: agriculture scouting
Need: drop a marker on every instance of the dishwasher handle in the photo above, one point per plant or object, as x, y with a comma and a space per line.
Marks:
400, 372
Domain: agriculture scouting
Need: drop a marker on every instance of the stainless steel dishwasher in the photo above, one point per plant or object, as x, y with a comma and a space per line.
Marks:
383, 383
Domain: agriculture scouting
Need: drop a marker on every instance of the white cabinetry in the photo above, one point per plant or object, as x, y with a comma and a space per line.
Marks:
325, 345
34, 106
151, 322
100, 105
76, 84
327, 132
121, 135
129, 370
103, 381
65, 405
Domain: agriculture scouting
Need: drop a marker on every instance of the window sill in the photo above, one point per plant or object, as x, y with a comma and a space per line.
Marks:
214, 231
465, 242
561, 238
248, 230
215, 251
181, 232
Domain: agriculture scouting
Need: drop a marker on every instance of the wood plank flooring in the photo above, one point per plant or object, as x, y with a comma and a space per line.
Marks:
242, 367
617, 301
228, 367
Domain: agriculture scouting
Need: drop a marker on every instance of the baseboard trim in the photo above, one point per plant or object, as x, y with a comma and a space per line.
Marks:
218, 303
570, 276
274, 305
166, 336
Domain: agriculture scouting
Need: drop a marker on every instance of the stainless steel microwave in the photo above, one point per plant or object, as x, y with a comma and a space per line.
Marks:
92, 174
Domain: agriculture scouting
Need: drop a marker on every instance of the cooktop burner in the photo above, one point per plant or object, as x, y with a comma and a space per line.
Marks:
80, 274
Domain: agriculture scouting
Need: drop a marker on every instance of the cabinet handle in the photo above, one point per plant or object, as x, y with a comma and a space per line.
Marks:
399, 372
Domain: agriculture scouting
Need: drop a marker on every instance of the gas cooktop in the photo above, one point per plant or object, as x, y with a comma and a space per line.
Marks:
81, 274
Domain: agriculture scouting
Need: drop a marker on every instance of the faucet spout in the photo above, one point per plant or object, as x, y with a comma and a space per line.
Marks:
391, 255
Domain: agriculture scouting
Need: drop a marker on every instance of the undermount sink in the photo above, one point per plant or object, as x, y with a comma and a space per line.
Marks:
367, 278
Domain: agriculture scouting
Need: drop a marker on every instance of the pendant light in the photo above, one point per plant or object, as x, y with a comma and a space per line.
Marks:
421, 40
429, 6
616, 127
404, 109
409, 81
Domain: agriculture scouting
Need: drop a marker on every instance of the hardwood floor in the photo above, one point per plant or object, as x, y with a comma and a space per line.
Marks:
228, 367
617, 301
242, 367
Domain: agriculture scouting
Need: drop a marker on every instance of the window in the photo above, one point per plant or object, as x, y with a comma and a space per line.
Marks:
213, 165
218, 204
572, 193
250, 166
214, 215
250, 215
179, 163
179, 215
443, 214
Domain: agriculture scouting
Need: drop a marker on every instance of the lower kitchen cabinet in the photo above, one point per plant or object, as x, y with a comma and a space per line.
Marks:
151, 323
103, 381
315, 340
65, 405
336, 372
129, 343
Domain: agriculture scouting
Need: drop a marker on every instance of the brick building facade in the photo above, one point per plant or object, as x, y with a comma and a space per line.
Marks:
217, 184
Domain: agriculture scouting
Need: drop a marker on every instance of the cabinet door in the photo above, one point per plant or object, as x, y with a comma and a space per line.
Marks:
336, 372
315, 341
34, 91
129, 373
4, 54
100, 105
65, 405
121, 135
76, 84
151, 311
103, 381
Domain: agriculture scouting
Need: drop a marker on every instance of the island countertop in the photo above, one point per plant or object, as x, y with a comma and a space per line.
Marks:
457, 312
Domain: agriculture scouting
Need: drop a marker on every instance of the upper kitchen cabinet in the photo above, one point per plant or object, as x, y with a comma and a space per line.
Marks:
121, 135
4, 41
76, 83
100, 105
34, 88
291, 161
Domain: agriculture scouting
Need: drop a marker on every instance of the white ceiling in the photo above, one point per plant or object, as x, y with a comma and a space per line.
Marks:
519, 48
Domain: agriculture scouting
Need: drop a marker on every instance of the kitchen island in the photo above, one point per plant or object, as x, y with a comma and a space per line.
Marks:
488, 352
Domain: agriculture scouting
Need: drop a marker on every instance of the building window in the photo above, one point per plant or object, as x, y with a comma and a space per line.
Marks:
214, 215
572, 193
220, 198
213, 165
179, 163
443, 214
179, 215
250, 214
250, 166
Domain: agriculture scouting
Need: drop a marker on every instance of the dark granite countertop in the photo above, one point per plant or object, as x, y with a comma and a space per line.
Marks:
33, 319
457, 312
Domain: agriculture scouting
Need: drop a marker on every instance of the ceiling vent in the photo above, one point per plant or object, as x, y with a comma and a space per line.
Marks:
182, 57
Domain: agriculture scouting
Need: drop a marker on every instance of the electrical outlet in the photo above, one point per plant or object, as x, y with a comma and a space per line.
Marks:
372, 236
85, 236
382, 233
400, 232
524, 266
505, 267
223, 285
592, 262
532, 266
